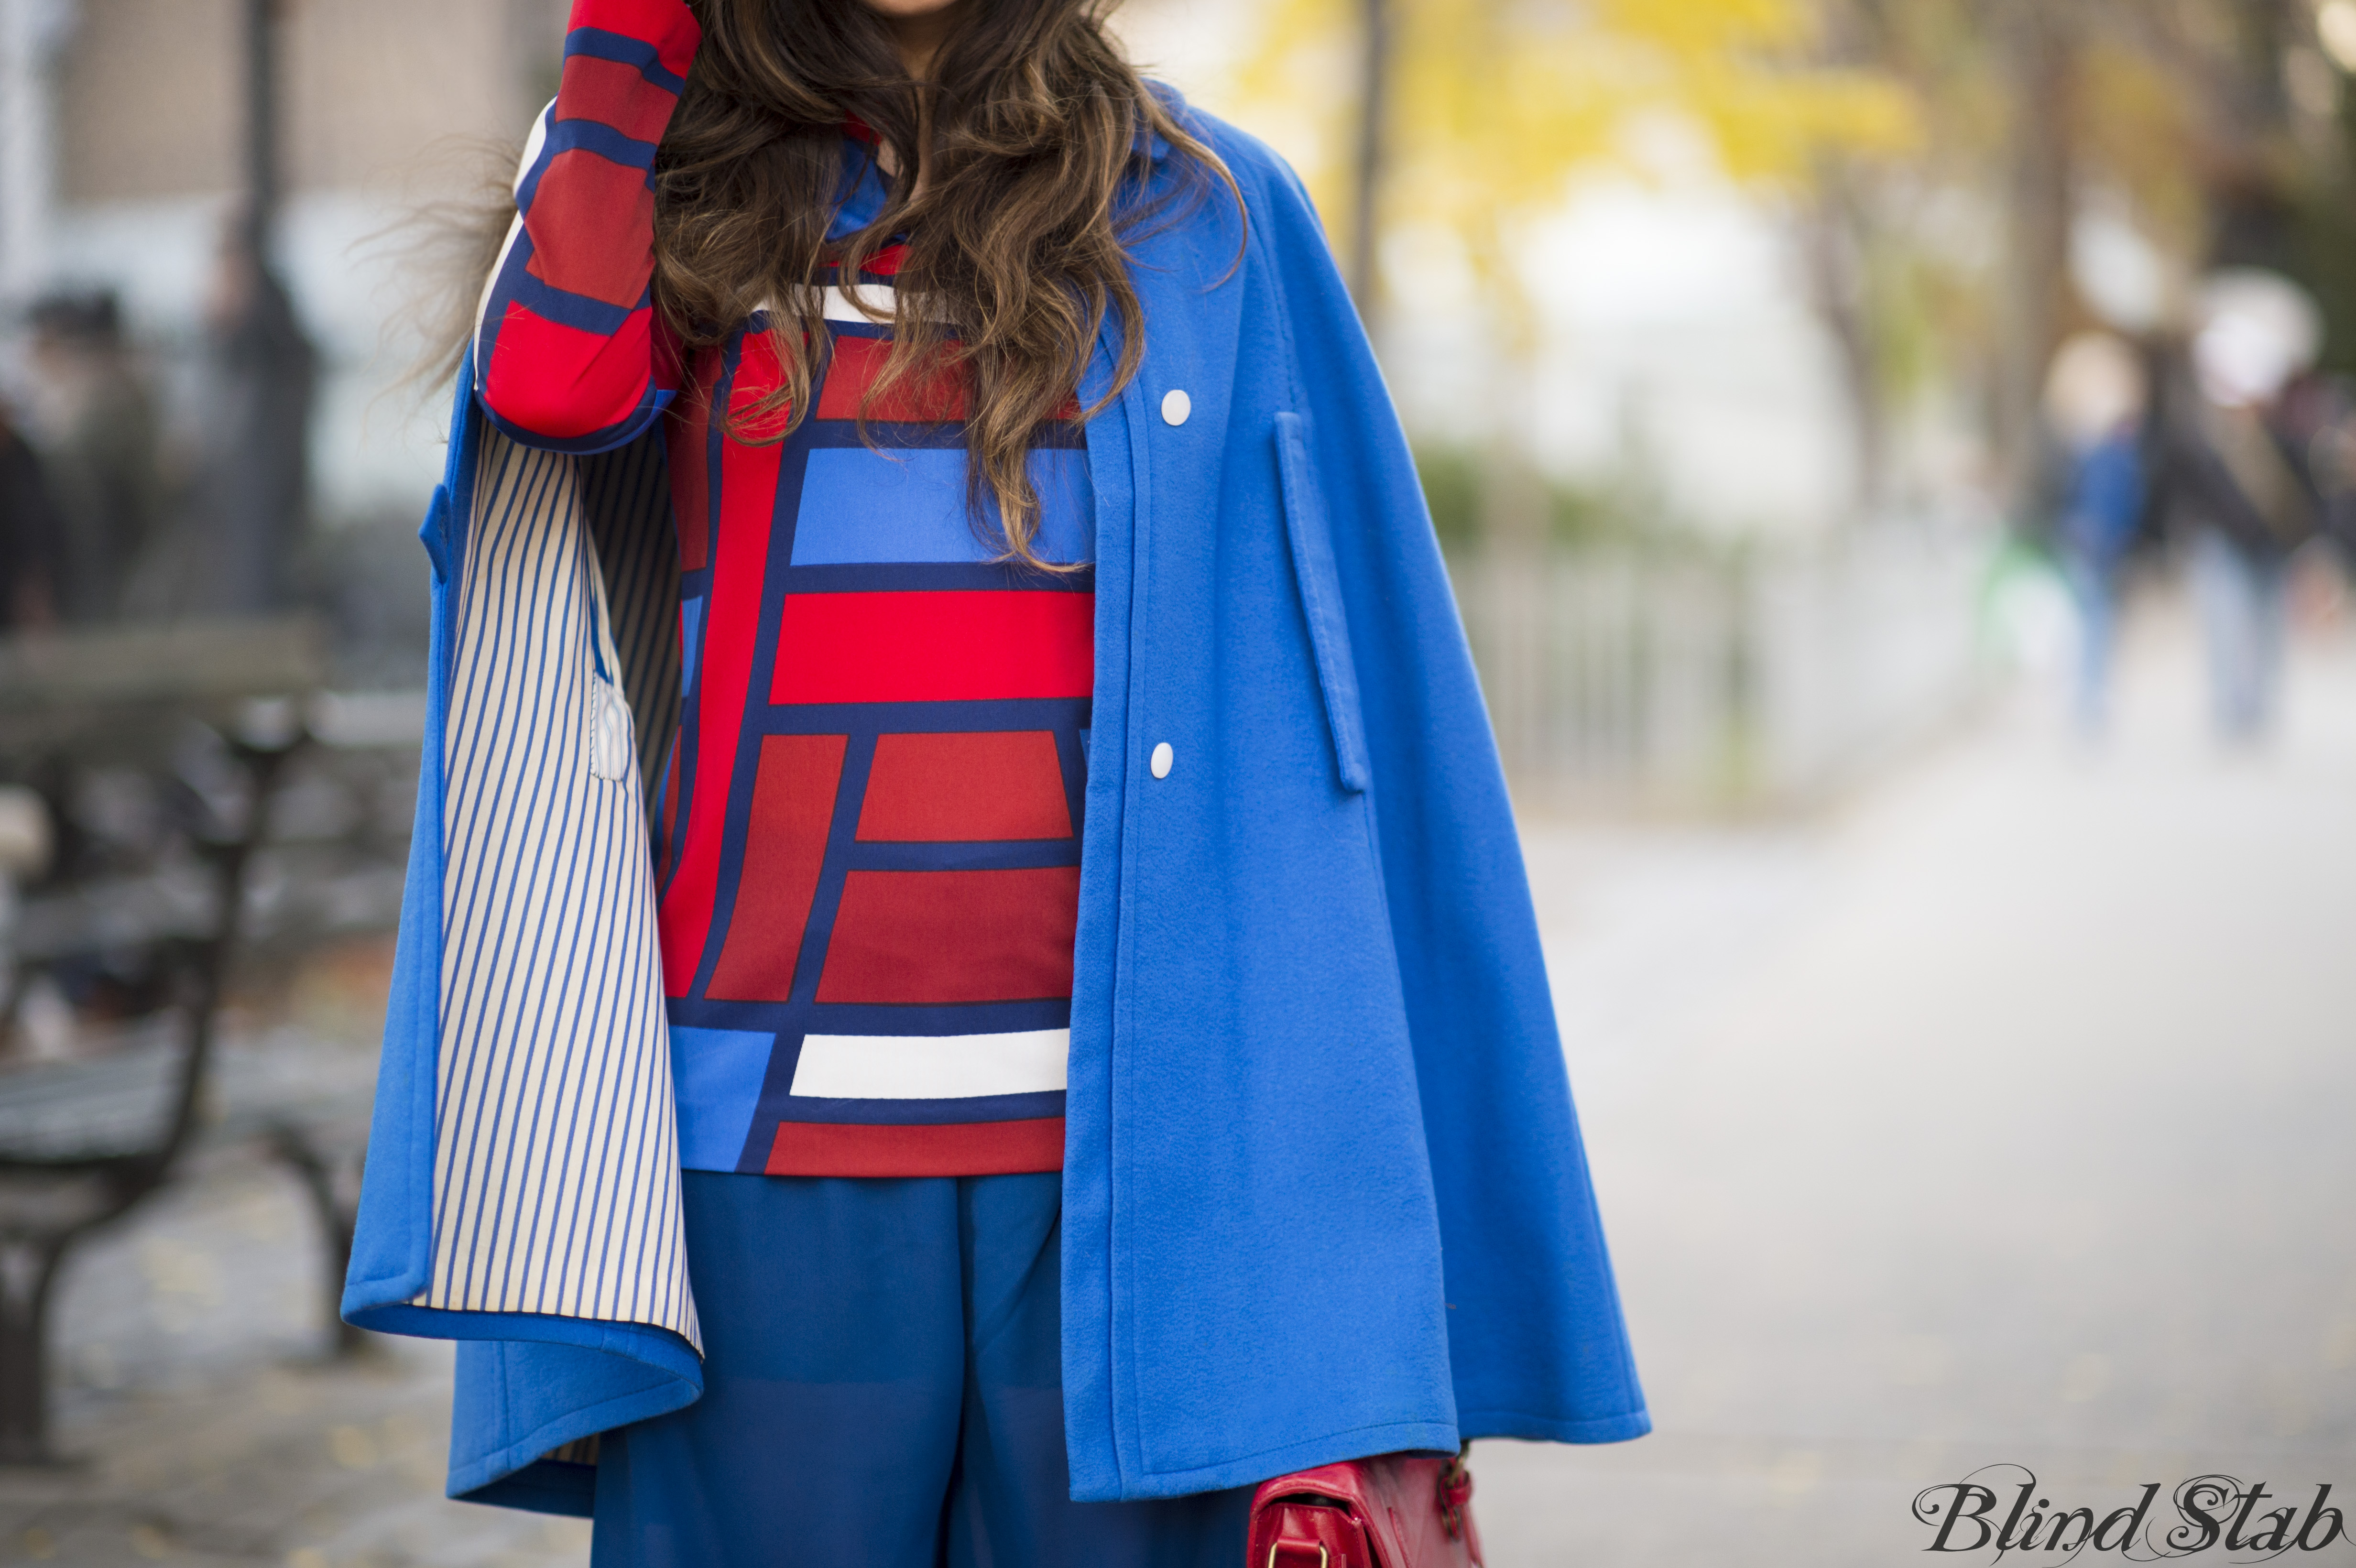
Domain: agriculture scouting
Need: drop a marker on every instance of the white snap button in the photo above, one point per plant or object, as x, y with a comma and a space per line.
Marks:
609, 732
1162, 757
1176, 406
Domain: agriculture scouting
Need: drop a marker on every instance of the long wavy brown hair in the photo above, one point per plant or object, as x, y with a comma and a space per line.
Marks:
1035, 137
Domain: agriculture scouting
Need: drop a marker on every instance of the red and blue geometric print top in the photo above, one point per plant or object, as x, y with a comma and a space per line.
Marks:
868, 842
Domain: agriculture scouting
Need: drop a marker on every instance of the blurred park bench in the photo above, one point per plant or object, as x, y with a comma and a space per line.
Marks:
188, 805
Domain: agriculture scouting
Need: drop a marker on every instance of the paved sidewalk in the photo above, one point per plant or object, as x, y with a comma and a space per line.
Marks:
210, 1431
2005, 1117
2009, 1118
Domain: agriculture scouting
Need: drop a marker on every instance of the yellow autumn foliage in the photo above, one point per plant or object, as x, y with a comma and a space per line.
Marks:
1495, 103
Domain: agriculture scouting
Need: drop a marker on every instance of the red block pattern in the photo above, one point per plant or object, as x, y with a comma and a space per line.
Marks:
929, 398
943, 789
562, 382
688, 437
759, 374
953, 936
967, 1148
934, 399
960, 647
613, 94
793, 802
581, 197
748, 488
667, 25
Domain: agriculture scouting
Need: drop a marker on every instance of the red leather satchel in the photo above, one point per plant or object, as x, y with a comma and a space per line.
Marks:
1395, 1511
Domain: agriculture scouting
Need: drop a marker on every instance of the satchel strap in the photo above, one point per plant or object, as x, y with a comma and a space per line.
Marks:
1456, 1493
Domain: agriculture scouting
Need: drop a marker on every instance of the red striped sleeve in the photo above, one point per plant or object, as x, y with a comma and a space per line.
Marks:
565, 353
665, 24
553, 380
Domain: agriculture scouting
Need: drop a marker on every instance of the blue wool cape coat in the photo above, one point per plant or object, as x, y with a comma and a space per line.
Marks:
1323, 1190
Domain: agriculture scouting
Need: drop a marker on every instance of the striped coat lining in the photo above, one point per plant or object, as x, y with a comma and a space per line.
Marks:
556, 1184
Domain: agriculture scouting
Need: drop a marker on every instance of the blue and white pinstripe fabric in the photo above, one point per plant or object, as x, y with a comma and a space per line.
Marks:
556, 1165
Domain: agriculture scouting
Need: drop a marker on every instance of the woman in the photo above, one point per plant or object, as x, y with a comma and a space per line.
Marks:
960, 818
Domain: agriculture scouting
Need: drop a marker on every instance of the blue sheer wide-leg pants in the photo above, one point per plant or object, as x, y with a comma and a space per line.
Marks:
882, 1390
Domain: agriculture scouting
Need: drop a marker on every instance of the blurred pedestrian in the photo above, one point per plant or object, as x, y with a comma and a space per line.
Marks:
29, 532
95, 428
2096, 399
233, 549
2239, 483
2328, 409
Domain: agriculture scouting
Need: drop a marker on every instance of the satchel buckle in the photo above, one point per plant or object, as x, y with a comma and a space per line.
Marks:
1322, 1556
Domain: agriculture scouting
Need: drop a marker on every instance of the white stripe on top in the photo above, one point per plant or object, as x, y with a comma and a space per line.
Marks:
880, 298
834, 304
931, 1066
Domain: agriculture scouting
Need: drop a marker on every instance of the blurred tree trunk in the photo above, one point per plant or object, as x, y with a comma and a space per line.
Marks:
2254, 187
2267, 33
263, 174
1834, 237
1373, 110
2037, 47
1836, 232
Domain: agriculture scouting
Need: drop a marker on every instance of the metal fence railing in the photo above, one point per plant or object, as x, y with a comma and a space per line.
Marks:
1755, 677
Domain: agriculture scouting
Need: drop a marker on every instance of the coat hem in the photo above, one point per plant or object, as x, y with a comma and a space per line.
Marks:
1555, 1429
364, 1297
545, 1485
1250, 1470
488, 1479
660, 1347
